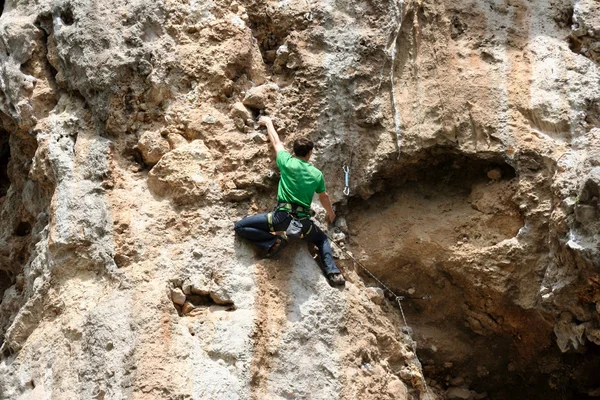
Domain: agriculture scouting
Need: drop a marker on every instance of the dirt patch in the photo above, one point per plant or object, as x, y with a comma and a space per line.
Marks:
436, 206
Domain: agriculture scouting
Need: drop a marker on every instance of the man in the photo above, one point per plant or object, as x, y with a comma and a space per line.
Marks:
299, 181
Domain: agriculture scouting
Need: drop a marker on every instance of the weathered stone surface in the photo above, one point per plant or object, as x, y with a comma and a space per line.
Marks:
184, 174
471, 130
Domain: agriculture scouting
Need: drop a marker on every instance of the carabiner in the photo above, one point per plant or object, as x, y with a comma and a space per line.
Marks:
346, 170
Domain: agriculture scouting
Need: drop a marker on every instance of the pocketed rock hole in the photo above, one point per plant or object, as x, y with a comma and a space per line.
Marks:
23, 229
438, 205
66, 16
190, 301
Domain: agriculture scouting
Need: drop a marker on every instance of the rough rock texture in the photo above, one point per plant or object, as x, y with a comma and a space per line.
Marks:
128, 147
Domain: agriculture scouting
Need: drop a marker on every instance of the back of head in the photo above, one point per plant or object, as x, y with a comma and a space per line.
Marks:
303, 146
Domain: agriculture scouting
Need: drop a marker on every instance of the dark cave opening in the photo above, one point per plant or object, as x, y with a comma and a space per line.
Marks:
200, 300
23, 229
1, 7
66, 15
4, 159
444, 164
426, 222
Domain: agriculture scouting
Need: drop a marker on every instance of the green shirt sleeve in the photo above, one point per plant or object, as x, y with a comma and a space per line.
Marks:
321, 186
282, 157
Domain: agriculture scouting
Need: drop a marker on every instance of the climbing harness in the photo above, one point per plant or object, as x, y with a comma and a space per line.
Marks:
398, 299
298, 214
346, 170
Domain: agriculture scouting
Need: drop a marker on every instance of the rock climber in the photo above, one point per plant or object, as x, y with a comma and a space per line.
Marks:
299, 181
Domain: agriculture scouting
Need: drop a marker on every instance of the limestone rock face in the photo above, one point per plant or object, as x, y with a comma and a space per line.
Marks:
128, 148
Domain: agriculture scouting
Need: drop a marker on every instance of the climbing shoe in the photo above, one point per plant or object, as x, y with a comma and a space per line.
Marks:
336, 279
279, 244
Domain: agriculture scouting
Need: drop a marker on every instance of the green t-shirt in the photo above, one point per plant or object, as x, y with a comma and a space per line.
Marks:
299, 180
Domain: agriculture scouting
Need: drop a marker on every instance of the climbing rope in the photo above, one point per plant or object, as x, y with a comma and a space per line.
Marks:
398, 299
346, 170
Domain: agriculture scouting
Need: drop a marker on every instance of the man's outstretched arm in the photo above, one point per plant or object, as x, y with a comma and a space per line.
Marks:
272, 133
325, 202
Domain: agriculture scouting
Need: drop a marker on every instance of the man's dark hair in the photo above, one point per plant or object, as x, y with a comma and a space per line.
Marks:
302, 146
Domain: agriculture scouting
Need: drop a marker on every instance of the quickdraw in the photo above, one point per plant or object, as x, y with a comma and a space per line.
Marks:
346, 170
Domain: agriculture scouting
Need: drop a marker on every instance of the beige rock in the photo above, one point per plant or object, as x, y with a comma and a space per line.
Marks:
238, 110
458, 393
187, 308
153, 146
495, 174
178, 296
261, 97
376, 295
458, 381
397, 389
183, 174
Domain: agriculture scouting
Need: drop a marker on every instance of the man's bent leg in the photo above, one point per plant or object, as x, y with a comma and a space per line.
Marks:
318, 237
255, 229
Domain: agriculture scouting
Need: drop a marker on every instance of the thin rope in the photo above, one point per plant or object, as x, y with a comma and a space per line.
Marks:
398, 300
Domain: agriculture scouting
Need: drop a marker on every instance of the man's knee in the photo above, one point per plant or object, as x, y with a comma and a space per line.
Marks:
238, 226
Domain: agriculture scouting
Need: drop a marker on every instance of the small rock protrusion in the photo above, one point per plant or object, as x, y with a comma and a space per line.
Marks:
259, 138
239, 124
187, 308
153, 146
238, 110
259, 97
178, 296
209, 119
197, 253
397, 389
375, 294
458, 381
458, 393
220, 297
495, 174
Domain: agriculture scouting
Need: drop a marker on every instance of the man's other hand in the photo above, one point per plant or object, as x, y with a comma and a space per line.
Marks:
331, 217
